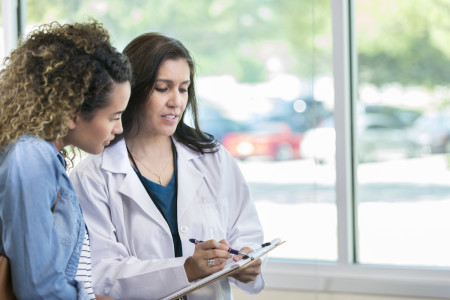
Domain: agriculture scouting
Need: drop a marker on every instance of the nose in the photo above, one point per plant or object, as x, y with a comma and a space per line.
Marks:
175, 99
118, 129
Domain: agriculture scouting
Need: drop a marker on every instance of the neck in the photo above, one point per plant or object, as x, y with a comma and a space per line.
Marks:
59, 144
150, 146
154, 158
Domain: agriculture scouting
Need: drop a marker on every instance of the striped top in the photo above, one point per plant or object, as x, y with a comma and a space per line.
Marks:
84, 267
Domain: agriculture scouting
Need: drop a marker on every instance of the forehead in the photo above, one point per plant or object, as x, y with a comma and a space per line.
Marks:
118, 97
174, 68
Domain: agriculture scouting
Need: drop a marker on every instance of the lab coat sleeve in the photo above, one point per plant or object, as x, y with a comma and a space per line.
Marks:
244, 229
116, 272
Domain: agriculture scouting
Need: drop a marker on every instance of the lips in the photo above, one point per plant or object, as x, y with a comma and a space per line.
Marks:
106, 143
170, 116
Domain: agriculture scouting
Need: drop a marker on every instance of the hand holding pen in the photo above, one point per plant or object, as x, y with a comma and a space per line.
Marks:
231, 250
208, 257
245, 275
249, 273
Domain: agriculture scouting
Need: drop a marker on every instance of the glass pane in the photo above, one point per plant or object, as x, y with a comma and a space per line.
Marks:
264, 82
402, 132
2, 35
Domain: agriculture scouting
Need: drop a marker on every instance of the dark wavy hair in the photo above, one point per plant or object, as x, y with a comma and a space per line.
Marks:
146, 54
56, 72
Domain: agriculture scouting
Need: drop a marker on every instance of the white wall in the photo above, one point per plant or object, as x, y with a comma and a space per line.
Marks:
270, 294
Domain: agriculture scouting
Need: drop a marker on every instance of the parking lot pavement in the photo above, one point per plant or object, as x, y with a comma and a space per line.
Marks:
403, 208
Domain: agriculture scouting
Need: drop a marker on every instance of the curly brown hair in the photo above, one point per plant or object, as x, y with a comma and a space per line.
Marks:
56, 72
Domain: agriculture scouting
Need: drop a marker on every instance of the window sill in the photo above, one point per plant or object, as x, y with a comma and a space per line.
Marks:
358, 279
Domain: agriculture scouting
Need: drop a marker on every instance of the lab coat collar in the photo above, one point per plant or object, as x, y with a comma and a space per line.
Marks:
115, 160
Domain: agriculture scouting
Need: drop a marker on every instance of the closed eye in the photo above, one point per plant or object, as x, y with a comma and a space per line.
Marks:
117, 116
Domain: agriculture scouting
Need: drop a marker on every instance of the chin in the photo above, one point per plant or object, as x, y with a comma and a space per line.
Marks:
96, 151
99, 151
170, 132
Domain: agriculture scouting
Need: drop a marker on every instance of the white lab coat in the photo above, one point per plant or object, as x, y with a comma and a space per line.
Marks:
131, 244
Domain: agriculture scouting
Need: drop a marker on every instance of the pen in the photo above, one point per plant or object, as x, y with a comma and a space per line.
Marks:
233, 251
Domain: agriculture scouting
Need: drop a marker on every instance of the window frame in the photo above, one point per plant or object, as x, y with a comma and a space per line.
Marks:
344, 275
13, 21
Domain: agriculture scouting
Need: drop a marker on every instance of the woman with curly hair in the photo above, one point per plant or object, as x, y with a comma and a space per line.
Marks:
64, 85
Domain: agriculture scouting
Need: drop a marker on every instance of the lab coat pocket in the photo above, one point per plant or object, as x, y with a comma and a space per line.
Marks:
216, 219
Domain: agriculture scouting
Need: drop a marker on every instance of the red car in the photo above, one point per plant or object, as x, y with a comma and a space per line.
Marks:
274, 140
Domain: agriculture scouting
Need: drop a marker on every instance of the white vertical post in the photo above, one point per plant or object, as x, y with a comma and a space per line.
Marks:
10, 30
343, 91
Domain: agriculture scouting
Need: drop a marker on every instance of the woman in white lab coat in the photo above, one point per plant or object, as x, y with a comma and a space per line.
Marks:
162, 183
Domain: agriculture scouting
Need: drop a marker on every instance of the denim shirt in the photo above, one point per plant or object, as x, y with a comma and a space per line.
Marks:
43, 247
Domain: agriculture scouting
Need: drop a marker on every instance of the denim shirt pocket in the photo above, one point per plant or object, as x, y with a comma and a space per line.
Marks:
66, 217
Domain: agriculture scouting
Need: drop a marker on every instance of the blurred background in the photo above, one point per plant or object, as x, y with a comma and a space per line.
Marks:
265, 84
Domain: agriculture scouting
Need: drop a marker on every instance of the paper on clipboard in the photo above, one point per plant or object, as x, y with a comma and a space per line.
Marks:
229, 269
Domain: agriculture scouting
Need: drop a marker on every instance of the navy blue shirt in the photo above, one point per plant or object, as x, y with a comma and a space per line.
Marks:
167, 199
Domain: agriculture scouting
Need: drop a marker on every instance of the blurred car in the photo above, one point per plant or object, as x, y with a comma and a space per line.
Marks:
432, 132
274, 140
383, 137
404, 117
380, 137
320, 143
300, 114
213, 121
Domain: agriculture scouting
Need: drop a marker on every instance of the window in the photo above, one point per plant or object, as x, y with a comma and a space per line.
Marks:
2, 49
403, 133
356, 177
264, 82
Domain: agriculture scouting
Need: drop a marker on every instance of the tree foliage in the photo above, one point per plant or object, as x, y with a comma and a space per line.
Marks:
403, 41
397, 40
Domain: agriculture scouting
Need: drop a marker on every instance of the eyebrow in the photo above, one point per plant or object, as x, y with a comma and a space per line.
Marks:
171, 81
118, 112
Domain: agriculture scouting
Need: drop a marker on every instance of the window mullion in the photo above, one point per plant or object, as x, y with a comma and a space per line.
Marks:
10, 17
342, 71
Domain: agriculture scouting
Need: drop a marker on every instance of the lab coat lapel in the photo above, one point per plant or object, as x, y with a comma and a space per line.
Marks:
189, 178
116, 161
133, 189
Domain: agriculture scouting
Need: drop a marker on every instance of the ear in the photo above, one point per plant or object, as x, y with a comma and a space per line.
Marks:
72, 122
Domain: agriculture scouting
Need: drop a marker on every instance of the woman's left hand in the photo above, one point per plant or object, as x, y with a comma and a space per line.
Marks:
249, 273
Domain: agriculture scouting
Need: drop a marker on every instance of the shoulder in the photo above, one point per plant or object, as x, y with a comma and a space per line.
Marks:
219, 160
112, 159
29, 147
32, 149
189, 153
89, 162
31, 156
87, 169
222, 155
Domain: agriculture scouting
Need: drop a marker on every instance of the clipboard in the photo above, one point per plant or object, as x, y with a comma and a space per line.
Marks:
229, 269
